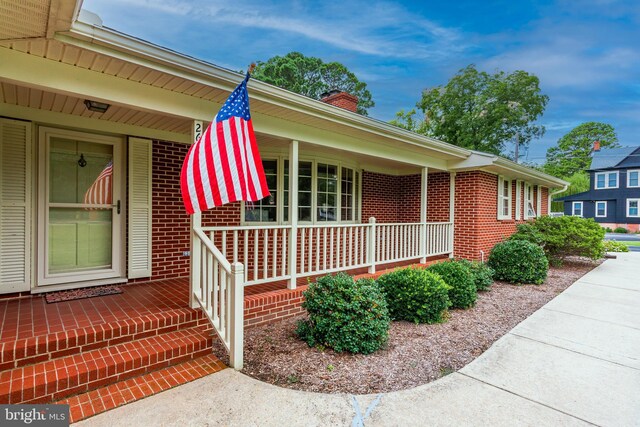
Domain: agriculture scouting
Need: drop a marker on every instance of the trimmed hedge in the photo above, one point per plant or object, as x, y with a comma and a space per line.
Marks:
415, 295
345, 315
462, 288
482, 274
519, 261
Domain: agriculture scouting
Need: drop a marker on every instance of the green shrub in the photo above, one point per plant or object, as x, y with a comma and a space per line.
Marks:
482, 274
613, 246
345, 315
570, 235
415, 295
620, 230
519, 261
458, 276
608, 230
528, 232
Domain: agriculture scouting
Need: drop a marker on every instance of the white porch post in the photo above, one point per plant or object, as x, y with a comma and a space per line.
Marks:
371, 247
236, 327
452, 209
293, 213
195, 255
423, 216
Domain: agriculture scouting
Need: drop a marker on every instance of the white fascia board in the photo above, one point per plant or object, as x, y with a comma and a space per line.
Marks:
475, 161
531, 175
109, 42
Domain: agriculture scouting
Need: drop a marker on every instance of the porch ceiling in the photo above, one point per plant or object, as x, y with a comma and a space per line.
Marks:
27, 19
22, 96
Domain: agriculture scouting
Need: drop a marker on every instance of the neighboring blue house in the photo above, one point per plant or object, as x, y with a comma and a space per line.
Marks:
613, 198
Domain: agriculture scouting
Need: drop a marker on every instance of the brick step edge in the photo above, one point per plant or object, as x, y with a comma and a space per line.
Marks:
94, 402
55, 379
28, 351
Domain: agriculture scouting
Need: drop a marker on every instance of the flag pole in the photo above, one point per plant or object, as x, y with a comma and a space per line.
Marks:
252, 66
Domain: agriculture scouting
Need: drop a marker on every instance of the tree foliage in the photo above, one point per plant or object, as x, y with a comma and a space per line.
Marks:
312, 77
573, 152
578, 183
479, 110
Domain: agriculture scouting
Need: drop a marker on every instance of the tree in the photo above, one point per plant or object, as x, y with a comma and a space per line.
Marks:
578, 183
480, 111
312, 77
573, 152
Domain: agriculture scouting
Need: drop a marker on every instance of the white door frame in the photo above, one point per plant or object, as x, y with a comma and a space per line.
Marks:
82, 278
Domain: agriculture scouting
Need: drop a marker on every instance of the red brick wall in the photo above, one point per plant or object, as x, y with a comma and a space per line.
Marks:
438, 197
390, 198
477, 227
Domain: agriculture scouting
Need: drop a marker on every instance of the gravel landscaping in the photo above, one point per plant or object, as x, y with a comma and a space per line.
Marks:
414, 355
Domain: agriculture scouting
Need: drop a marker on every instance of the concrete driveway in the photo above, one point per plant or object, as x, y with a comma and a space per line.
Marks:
576, 361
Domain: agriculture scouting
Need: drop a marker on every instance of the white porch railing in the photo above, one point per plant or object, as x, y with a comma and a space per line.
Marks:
217, 286
327, 248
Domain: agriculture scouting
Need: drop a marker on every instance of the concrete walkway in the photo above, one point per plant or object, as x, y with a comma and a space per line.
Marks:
576, 361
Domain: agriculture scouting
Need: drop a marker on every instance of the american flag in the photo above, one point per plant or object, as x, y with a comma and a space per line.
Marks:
224, 165
99, 193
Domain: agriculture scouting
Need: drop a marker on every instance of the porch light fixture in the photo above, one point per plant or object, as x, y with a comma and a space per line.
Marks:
98, 107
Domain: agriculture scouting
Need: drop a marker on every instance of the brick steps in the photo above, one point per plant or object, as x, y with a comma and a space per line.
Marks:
53, 380
28, 351
105, 398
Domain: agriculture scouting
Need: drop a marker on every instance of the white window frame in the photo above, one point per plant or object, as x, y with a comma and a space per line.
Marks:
629, 205
573, 208
538, 201
528, 201
629, 172
502, 197
518, 200
280, 202
606, 208
606, 180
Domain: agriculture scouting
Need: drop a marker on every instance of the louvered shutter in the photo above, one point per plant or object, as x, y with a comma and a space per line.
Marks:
15, 206
139, 261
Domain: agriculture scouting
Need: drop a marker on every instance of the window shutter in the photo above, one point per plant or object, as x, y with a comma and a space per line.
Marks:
140, 206
539, 201
15, 206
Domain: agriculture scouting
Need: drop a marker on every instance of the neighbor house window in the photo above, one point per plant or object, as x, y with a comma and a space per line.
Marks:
265, 210
632, 208
576, 209
633, 178
504, 198
601, 209
529, 211
606, 180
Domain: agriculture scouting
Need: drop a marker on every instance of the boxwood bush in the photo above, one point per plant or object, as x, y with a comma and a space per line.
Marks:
519, 261
345, 315
613, 246
482, 274
415, 295
462, 288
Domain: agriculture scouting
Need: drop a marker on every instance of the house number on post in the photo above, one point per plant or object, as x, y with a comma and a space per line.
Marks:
197, 130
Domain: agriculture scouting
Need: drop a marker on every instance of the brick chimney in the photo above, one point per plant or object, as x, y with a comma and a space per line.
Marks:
596, 145
340, 99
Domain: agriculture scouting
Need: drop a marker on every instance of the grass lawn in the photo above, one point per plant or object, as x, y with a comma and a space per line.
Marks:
631, 243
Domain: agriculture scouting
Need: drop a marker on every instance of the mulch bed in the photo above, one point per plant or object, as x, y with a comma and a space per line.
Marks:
414, 355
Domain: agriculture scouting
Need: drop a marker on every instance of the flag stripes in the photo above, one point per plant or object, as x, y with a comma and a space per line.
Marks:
99, 193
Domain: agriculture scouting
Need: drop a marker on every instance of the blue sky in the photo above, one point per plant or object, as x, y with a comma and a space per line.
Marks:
586, 53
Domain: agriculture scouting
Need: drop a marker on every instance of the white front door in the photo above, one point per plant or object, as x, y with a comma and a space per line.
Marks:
80, 208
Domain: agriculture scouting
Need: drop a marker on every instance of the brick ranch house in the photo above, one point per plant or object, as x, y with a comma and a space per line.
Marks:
349, 193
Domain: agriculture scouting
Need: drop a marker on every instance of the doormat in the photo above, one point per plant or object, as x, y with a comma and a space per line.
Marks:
74, 294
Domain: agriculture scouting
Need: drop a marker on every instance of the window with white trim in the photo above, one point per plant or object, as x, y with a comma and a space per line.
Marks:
265, 210
633, 208
538, 201
518, 200
576, 208
327, 192
529, 211
601, 209
633, 178
606, 180
504, 198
